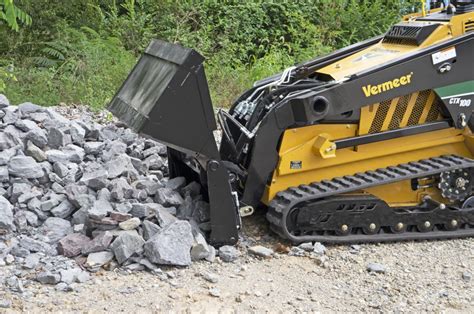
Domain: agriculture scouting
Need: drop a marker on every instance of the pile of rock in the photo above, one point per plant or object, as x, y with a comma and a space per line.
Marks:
95, 193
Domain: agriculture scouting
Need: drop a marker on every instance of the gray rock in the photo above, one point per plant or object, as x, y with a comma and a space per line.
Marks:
104, 194
126, 245
154, 162
162, 214
215, 292
100, 243
56, 228
95, 179
55, 155
139, 165
37, 137
57, 118
307, 246
15, 284
94, 148
63, 287
72, 244
27, 108
200, 249
77, 133
296, 251
34, 246
6, 214
10, 116
130, 224
52, 201
168, 197
75, 191
83, 276
24, 167
100, 209
210, 277
60, 169
228, 253
4, 102
125, 207
149, 229
171, 245
80, 217
31, 261
193, 189
148, 184
261, 251
319, 249
35, 152
140, 210
212, 255
113, 149
355, 249
20, 221
78, 228
4, 303
99, 259
48, 278
63, 210
24, 197
57, 138
121, 189
176, 183
32, 219
7, 140
6, 155
72, 275
26, 125
74, 153
466, 276
376, 268
120, 165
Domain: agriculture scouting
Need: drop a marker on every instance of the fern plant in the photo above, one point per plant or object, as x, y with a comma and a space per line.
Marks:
11, 14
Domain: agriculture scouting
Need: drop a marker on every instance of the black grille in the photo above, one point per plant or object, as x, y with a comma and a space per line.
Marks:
404, 34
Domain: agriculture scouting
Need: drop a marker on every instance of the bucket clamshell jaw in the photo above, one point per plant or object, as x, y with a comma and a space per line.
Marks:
166, 97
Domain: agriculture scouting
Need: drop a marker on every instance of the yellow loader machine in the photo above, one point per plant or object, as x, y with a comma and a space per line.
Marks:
371, 143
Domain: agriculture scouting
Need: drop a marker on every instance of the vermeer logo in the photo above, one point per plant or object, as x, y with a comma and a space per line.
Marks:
371, 90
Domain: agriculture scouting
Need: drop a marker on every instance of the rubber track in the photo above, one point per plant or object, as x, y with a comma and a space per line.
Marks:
284, 201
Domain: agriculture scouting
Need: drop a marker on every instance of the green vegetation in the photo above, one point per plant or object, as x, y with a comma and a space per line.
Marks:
80, 51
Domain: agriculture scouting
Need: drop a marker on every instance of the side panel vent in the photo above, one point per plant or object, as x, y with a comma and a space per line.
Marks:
408, 110
413, 34
468, 26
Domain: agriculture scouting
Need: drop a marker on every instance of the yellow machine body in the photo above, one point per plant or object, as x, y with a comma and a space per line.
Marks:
312, 145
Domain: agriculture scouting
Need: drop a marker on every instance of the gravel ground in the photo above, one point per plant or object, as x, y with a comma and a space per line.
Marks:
417, 277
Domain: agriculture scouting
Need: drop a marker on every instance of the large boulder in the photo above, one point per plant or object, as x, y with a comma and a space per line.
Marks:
171, 245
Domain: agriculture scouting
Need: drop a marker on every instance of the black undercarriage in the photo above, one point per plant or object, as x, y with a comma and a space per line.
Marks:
330, 211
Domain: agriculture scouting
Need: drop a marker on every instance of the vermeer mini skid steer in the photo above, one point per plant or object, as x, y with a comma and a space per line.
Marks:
371, 143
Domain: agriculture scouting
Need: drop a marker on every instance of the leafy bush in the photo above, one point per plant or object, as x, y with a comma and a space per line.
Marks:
80, 51
81, 67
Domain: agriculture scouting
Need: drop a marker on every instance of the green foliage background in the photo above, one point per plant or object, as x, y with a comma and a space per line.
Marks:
80, 51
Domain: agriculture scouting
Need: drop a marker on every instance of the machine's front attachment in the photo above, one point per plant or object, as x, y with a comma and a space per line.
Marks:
166, 97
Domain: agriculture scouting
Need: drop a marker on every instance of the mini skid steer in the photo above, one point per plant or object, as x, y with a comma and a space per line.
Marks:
371, 143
